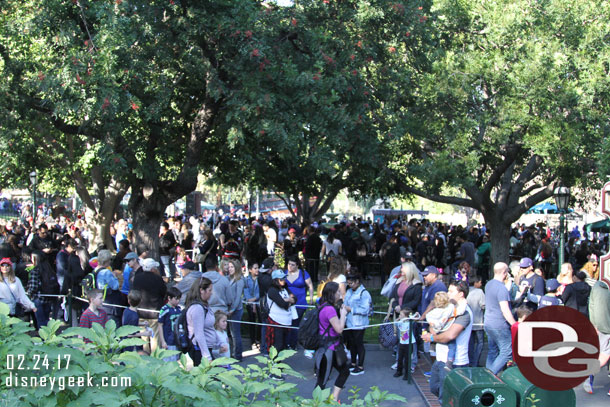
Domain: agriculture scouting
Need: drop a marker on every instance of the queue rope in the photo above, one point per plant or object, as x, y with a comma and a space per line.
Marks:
248, 322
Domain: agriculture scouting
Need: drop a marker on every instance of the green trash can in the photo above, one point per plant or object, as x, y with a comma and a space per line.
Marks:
476, 387
529, 395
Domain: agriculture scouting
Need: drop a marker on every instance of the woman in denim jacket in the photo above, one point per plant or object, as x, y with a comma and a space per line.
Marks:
357, 302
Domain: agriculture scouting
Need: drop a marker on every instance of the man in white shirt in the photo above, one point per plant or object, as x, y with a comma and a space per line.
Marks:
271, 236
459, 332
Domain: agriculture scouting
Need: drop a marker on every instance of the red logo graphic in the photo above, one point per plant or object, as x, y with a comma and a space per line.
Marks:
556, 348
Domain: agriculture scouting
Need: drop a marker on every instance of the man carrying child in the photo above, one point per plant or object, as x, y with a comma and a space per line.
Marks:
459, 332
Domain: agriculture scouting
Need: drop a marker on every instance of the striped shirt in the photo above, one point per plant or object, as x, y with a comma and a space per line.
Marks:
89, 317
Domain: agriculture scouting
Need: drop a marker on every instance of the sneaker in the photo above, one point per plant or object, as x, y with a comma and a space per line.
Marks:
427, 374
394, 366
352, 367
397, 374
608, 393
587, 386
357, 371
276, 377
308, 353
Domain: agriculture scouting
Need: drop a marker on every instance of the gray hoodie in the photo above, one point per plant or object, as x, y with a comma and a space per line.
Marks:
185, 285
221, 292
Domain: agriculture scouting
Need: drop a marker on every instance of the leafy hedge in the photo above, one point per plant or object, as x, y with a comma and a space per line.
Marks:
153, 381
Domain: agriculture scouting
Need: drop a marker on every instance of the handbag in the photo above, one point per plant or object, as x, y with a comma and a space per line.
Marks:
200, 258
19, 309
388, 336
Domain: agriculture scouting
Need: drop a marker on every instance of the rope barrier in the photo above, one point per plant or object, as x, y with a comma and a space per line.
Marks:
246, 322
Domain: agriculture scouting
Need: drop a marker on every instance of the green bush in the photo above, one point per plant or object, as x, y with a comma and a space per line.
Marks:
51, 359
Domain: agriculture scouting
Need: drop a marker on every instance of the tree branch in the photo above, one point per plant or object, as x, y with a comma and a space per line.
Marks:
435, 197
516, 211
328, 201
496, 175
525, 176
286, 203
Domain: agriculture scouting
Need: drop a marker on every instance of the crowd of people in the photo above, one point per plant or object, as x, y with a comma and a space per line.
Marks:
219, 269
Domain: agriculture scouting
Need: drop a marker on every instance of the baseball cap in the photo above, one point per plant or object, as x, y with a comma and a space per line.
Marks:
552, 284
6, 260
189, 265
130, 256
267, 265
408, 256
292, 230
278, 274
429, 270
526, 262
149, 264
353, 277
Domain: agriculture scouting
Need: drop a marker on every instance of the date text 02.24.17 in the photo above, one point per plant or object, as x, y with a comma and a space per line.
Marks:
38, 362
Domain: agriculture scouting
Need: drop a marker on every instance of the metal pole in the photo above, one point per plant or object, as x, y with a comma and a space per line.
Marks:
561, 240
70, 307
35, 206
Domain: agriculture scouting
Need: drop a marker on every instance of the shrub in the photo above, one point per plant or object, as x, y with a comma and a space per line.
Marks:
52, 358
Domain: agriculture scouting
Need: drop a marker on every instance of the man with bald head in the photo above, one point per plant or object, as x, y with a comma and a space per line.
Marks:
498, 319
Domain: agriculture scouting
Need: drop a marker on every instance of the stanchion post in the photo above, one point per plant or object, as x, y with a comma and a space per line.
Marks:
70, 307
409, 352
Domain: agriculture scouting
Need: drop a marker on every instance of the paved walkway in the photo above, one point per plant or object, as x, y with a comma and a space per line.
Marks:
377, 373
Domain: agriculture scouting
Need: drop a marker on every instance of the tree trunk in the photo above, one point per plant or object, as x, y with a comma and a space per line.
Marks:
500, 239
147, 206
100, 211
99, 227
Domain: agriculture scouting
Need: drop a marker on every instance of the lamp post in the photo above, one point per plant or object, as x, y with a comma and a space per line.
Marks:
33, 180
562, 199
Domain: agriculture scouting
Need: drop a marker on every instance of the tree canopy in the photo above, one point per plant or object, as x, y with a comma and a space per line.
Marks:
515, 99
321, 123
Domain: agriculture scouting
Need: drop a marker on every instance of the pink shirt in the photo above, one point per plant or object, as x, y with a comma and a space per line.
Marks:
401, 291
324, 316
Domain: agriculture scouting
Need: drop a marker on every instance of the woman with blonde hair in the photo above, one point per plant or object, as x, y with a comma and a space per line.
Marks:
11, 289
236, 290
337, 270
407, 291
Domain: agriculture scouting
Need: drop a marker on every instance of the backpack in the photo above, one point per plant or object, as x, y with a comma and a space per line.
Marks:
430, 256
48, 279
88, 283
309, 332
181, 331
263, 306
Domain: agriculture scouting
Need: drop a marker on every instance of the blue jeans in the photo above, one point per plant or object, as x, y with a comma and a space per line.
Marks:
437, 377
264, 349
438, 372
293, 336
475, 347
168, 266
42, 312
235, 328
500, 348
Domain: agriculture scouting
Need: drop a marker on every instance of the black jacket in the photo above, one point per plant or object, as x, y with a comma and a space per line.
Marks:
274, 295
264, 282
576, 295
167, 244
411, 298
73, 276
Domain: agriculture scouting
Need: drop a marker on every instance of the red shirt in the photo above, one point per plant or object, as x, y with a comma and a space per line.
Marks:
88, 318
